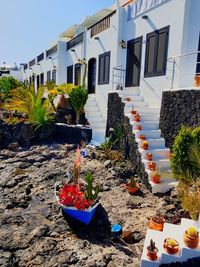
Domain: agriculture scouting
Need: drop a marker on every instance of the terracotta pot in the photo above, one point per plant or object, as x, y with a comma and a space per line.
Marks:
191, 241
127, 236
170, 156
152, 166
156, 224
139, 127
128, 99
197, 80
145, 146
142, 137
136, 118
132, 190
155, 178
133, 112
149, 156
152, 255
169, 249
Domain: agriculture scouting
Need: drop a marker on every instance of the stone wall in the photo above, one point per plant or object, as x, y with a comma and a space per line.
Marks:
25, 135
179, 107
128, 146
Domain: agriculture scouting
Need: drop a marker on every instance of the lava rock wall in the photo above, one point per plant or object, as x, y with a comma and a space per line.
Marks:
179, 107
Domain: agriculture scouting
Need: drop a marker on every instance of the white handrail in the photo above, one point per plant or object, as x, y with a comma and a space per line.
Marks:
184, 55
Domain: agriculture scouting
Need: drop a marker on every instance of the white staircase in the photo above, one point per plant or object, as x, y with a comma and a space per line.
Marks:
150, 128
96, 120
170, 231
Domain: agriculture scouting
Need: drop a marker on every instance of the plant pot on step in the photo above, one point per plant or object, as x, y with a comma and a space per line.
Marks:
145, 145
142, 137
128, 99
155, 177
191, 237
149, 156
156, 223
197, 81
152, 251
132, 187
133, 112
139, 127
152, 166
171, 246
136, 118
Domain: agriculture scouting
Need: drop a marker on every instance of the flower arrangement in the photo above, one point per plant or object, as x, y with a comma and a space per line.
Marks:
78, 197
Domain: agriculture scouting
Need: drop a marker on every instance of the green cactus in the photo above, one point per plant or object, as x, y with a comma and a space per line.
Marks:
133, 182
152, 246
192, 231
91, 194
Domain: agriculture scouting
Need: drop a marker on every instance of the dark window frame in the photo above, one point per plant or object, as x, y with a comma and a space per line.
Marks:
106, 77
49, 75
155, 58
52, 50
198, 59
40, 57
70, 69
75, 41
77, 67
32, 63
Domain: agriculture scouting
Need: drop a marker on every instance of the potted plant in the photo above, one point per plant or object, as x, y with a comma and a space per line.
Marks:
191, 237
78, 198
145, 145
142, 137
152, 166
136, 118
197, 80
128, 99
157, 223
155, 177
171, 246
149, 156
152, 251
133, 111
139, 127
132, 187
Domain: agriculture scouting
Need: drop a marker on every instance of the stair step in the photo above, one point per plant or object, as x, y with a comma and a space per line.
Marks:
147, 125
160, 163
93, 114
157, 153
164, 186
153, 143
96, 120
144, 117
148, 133
149, 110
135, 104
133, 98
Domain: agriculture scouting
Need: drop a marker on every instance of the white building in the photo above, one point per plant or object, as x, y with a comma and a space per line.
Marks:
141, 45
8, 70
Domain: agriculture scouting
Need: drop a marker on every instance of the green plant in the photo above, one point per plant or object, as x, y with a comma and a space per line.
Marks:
152, 246
171, 242
27, 100
90, 193
6, 85
192, 231
65, 88
132, 182
78, 98
183, 165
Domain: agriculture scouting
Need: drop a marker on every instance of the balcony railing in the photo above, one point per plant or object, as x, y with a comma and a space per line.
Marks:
31, 63
40, 57
75, 41
100, 26
51, 51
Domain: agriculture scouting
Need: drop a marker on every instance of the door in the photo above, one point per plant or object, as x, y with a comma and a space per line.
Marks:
91, 75
77, 74
133, 65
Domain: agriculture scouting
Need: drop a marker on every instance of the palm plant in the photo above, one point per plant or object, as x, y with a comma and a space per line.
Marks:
27, 100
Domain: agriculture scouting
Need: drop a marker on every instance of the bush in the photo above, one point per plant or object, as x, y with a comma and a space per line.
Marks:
78, 97
6, 85
185, 145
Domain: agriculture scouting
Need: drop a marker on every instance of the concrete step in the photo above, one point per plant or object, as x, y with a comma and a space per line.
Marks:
134, 98
144, 117
96, 120
93, 114
141, 110
153, 143
164, 186
160, 163
147, 125
130, 90
157, 153
135, 104
92, 109
148, 133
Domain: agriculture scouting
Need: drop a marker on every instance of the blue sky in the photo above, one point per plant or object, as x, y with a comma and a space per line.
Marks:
28, 26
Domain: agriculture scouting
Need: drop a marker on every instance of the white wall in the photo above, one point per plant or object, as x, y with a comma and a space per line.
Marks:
169, 13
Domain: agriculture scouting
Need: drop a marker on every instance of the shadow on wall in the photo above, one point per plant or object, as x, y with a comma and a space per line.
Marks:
128, 146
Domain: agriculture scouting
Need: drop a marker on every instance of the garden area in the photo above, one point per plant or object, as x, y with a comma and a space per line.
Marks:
73, 204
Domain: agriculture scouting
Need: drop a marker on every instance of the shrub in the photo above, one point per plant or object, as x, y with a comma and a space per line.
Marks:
6, 85
26, 100
78, 98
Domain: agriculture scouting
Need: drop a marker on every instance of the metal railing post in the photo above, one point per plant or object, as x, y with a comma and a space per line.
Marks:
173, 73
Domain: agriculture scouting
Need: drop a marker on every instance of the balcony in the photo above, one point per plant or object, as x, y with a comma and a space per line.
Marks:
75, 41
51, 50
100, 26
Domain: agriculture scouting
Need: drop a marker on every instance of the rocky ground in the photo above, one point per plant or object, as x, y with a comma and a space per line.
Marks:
33, 231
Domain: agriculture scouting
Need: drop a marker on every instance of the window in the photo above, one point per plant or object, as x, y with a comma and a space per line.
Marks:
104, 68
156, 52
51, 51
31, 63
54, 76
198, 59
49, 76
77, 74
70, 74
41, 78
75, 41
40, 57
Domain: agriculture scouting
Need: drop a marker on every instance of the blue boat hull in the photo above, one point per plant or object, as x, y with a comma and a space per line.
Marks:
84, 216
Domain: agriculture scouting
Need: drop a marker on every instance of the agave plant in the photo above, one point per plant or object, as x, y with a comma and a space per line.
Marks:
27, 100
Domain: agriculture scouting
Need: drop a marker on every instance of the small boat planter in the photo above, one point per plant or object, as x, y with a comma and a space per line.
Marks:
84, 216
